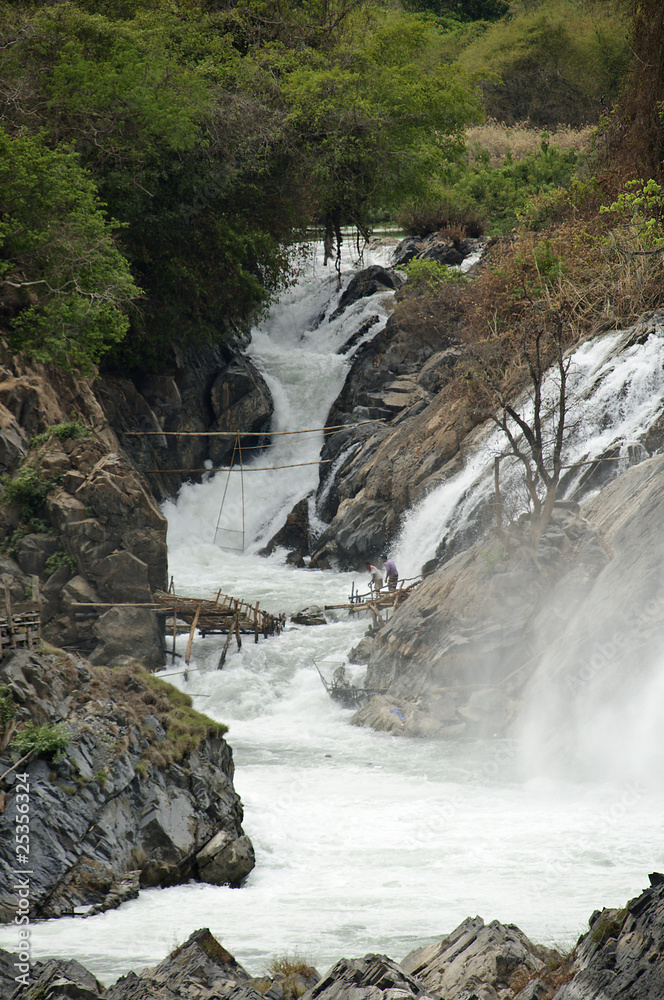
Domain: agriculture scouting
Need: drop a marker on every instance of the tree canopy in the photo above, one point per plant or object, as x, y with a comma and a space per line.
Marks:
213, 135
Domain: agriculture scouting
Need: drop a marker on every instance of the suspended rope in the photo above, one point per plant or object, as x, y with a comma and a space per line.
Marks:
236, 447
305, 430
250, 468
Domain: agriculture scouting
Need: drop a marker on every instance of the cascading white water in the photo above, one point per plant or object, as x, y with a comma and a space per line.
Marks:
364, 842
612, 396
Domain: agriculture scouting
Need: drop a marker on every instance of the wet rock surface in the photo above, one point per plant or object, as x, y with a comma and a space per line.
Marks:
393, 437
454, 658
125, 804
201, 389
619, 958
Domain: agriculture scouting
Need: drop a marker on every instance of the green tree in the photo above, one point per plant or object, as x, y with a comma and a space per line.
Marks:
371, 120
58, 252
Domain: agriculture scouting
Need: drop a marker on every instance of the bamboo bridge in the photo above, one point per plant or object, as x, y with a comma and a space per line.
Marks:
376, 601
224, 615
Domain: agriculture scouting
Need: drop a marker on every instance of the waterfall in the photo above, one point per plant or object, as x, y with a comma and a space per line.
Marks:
614, 394
365, 842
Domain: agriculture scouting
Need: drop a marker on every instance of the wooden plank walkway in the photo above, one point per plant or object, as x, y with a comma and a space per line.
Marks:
376, 601
225, 615
221, 615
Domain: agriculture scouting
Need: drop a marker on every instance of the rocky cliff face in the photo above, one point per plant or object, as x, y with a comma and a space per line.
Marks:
83, 522
209, 388
384, 468
500, 625
142, 794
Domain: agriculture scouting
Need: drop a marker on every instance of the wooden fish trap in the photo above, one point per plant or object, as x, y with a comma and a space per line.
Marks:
224, 615
20, 626
19, 629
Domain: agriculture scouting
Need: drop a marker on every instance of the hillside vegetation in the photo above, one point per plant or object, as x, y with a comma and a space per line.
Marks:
161, 159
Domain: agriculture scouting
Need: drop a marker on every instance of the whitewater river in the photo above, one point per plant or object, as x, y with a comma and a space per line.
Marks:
364, 842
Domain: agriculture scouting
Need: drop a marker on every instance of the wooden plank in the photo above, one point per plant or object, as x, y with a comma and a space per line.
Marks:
191, 636
222, 658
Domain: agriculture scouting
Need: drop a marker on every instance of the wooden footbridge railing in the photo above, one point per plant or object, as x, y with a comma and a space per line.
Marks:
377, 600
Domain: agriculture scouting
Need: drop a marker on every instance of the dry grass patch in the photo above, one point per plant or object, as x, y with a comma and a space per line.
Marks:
136, 694
518, 141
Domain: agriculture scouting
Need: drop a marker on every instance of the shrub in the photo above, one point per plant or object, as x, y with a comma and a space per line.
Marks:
503, 193
47, 739
293, 975
63, 432
28, 489
425, 217
57, 250
58, 559
429, 275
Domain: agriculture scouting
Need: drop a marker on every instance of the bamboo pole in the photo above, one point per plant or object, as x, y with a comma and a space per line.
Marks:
191, 635
222, 658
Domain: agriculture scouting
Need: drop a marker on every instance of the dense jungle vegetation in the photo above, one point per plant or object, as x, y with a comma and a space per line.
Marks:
160, 158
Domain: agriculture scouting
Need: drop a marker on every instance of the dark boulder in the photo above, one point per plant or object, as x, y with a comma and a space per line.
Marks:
369, 281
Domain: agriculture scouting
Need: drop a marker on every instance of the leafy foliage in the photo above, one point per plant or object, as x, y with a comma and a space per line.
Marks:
429, 275
214, 137
28, 488
551, 61
57, 250
70, 429
504, 193
47, 739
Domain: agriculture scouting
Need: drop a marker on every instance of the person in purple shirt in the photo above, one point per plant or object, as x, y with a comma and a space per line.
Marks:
390, 573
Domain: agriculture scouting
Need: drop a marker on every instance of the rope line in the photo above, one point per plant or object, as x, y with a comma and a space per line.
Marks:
306, 430
246, 468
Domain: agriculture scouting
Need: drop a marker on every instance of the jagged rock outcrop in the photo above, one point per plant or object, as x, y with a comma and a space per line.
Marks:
199, 968
201, 388
454, 658
367, 282
141, 795
487, 958
621, 954
375, 976
383, 468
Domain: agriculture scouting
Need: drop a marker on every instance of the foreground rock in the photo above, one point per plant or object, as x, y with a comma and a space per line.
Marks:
141, 795
494, 955
621, 955
618, 959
